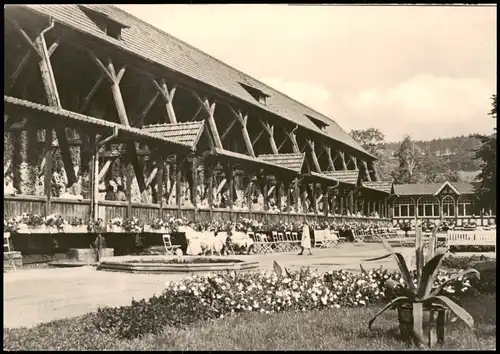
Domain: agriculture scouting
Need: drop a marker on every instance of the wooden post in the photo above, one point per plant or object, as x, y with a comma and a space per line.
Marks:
210, 172
230, 179
130, 178
325, 201
278, 195
351, 200
356, 202
266, 201
334, 202
249, 194
297, 195
159, 182
288, 198
178, 178
48, 170
342, 204
194, 185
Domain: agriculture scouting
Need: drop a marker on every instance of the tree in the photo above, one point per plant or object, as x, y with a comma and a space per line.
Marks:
408, 162
487, 155
373, 141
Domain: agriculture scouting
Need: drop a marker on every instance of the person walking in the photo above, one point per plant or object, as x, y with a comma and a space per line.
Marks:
306, 240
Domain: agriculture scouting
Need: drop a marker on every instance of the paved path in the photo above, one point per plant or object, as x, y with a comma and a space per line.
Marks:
34, 296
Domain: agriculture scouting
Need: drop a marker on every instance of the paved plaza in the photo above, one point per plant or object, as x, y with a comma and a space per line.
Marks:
35, 296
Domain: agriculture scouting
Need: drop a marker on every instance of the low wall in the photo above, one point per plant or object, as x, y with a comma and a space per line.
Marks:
88, 255
11, 259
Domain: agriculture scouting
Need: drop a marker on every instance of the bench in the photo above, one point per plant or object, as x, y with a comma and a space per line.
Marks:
471, 238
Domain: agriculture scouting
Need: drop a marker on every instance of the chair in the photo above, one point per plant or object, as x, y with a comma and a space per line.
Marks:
295, 240
169, 248
320, 239
6, 245
291, 247
332, 238
358, 237
258, 243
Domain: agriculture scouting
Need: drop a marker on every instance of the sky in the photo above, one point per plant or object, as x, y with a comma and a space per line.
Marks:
423, 71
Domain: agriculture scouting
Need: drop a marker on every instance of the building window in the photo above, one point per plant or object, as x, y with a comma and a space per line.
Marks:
404, 207
257, 94
106, 24
317, 122
448, 206
428, 206
464, 206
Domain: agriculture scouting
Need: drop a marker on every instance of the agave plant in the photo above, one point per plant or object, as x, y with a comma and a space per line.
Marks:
422, 297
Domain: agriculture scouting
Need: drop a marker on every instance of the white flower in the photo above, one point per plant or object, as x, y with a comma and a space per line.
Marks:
337, 306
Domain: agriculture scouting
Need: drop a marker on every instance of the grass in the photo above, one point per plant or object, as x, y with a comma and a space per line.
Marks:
334, 329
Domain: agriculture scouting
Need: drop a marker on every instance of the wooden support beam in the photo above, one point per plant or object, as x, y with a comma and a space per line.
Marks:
341, 155
210, 110
152, 176
48, 170
354, 160
15, 75
313, 155
210, 176
159, 182
342, 200
328, 151
129, 179
226, 132
66, 155
104, 170
53, 47
325, 201
139, 173
168, 98
367, 172
242, 119
270, 132
178, 180
230, 177
254, 141
26, 37
249, 192
91, 94
194, 185
140, 118
278, 195
282, 143
297, 195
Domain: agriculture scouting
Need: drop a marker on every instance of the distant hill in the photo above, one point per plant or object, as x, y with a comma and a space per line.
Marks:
456, 152
440, 159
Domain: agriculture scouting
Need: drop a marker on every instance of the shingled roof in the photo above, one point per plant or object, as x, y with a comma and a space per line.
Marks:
152, 44
16, 103
242, 157
349, 177
430, 188
381, 186
181, 133
290, 161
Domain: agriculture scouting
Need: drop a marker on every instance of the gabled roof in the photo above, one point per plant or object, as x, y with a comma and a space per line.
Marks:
146, 41
290, 161
431, 188
381, 186
182, 133
242, 157
349, 177
444, 185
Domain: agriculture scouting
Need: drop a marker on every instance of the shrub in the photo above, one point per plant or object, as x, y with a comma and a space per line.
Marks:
204, 298
488, 282
458, 262
472, 248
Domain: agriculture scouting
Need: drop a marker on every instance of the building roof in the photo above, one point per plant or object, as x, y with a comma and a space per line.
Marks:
430, 188
349, 177
245, 158
182, 133
152, 44
12, 103
381, 186
290, 161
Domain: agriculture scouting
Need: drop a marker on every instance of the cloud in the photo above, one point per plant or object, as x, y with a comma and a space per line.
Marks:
424, 106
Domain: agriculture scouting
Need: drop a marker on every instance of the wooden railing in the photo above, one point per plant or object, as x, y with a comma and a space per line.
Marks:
71, 208
472, 238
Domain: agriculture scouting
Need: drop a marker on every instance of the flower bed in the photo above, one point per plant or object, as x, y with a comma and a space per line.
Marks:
199, 298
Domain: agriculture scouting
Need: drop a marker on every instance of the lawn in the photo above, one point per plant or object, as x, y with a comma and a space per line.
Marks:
332, 329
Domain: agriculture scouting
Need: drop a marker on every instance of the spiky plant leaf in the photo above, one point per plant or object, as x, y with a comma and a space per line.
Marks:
397, 301
403, 268
277, 269
452, 279
428, 275
419, 252
287, 273
363, 271
418, 322
460, 312
432, 244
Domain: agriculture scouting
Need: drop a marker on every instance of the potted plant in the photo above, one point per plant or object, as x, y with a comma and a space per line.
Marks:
423, 310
